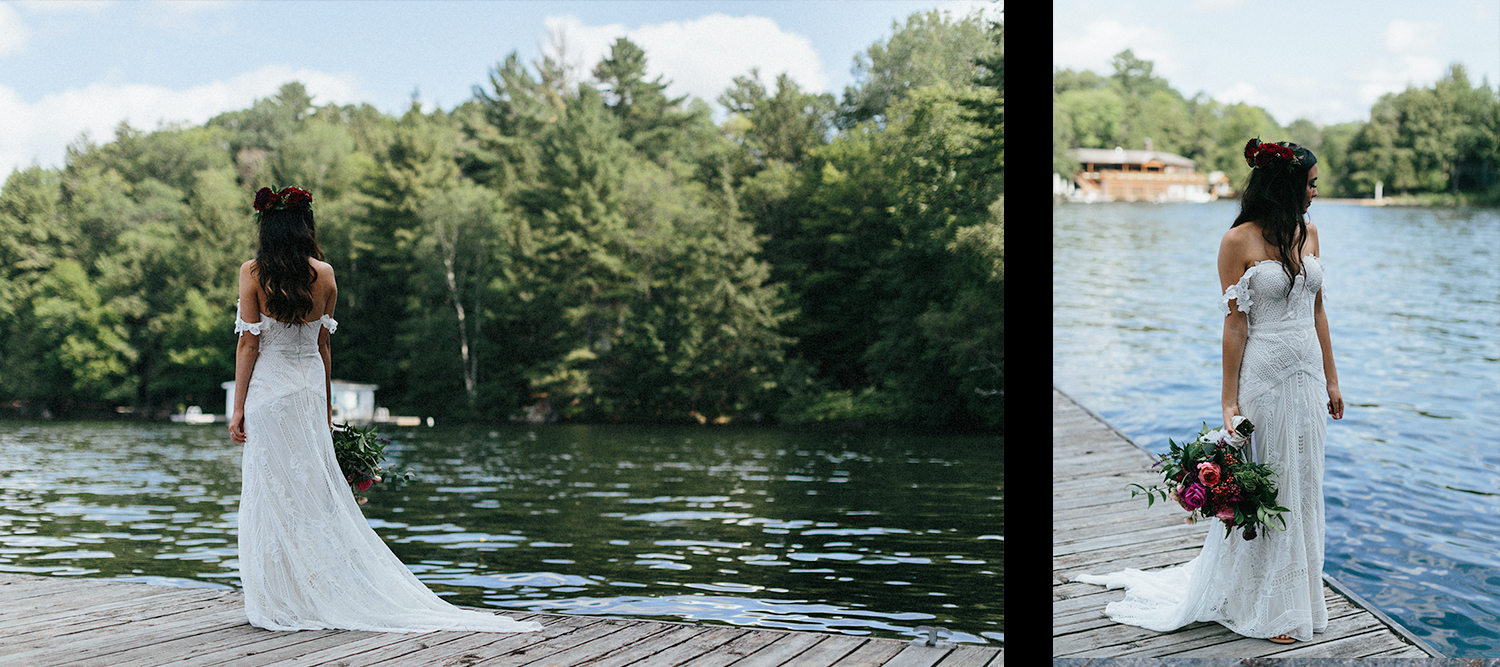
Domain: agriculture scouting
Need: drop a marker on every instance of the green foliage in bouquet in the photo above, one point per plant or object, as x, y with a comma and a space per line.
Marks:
361, 456
1210, 476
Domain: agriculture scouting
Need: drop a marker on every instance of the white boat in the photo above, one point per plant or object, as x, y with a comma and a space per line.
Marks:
194, 415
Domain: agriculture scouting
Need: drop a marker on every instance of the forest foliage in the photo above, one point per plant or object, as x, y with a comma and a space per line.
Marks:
565, 245
1440, 143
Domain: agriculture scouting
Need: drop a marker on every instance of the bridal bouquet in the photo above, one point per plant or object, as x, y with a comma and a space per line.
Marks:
361, 455
1212, 476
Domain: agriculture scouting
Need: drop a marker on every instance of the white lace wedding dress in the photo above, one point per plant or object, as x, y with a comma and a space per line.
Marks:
1271, 585
308, 559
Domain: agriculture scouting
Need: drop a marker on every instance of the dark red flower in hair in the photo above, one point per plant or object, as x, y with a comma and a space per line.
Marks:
294, 197
1260, 155
267, 199
263, 199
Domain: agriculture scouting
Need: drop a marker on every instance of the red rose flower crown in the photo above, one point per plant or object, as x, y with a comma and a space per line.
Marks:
1260, 156
270, 199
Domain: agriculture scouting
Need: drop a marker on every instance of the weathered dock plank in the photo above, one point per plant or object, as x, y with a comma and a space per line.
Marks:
1097, 527
87, 622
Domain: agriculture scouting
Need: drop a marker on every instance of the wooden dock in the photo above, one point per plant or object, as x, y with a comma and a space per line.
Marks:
80, 622
1097, 528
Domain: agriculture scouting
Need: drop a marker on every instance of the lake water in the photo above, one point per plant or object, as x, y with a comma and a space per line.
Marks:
1412, 487
861, 533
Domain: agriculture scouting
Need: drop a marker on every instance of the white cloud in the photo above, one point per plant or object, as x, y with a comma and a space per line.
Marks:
989, 9
1241, 92
1287, 100
701, 57
1412, 36
12, 31
1096, 46
1395, 76
40, 131
1411, 60
586, 45
1219, 6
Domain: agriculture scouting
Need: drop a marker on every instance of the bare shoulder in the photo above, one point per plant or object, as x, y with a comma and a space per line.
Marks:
325, 270
1239, 242
1236, 250
1312, 238
248, 267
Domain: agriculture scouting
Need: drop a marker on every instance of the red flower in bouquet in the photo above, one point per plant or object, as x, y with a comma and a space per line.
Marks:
1193, 496
1208, 473
361, 457
1210, 476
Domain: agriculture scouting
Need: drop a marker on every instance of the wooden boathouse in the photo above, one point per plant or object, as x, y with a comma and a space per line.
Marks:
56, 621
1097, 527
1139, 175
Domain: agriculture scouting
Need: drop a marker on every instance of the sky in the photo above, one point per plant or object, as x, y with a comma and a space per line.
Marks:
70, 67
1328, 62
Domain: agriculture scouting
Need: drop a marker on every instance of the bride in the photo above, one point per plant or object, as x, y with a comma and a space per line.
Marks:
1279, 374
308, 560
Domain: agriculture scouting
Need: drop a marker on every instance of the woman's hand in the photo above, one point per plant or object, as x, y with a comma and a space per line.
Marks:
1229, 412
1335, 401
237, 428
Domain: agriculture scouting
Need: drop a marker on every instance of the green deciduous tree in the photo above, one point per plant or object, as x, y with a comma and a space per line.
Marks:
931, 48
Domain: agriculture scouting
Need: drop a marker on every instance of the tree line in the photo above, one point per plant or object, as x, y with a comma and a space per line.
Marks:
1439, 144
561, 246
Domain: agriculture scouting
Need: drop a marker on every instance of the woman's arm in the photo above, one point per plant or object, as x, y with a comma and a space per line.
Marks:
324, 348
245, 352
1236, 324
1335, 397
1325, 342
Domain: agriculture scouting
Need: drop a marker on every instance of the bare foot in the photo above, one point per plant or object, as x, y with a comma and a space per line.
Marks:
1282, 639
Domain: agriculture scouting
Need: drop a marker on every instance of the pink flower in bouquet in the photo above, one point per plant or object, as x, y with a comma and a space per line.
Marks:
1227, 514
1208, 473
365, 484
1193, 496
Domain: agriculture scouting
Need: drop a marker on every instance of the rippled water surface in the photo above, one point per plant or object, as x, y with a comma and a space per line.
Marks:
1412, 487
859, 533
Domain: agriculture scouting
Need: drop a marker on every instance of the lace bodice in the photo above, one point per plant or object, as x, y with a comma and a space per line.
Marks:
278, 335
1262, 292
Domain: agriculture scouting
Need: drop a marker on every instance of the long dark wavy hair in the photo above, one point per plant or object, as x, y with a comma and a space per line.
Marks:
1274, 197
287, 238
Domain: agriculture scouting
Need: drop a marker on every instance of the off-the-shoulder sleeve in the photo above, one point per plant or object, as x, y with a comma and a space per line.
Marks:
1240, 292
241, 326
330, 323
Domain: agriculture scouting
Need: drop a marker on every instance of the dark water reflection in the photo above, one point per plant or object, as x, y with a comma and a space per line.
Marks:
861, 533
